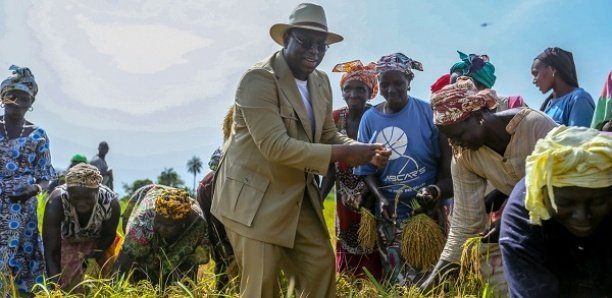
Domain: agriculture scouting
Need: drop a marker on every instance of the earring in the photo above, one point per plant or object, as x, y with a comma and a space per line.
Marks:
2, 105
554, 73
31, 109
481, 122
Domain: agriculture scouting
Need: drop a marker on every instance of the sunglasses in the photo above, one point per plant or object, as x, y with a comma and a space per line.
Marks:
308, 44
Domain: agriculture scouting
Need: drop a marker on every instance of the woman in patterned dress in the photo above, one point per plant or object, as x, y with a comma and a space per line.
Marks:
166, 238
80, 223
358, 85
25, 170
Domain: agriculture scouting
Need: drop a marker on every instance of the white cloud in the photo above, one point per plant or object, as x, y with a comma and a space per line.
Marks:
133, 63
141, 48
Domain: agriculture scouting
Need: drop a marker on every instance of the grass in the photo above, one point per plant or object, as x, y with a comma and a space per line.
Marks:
204, 286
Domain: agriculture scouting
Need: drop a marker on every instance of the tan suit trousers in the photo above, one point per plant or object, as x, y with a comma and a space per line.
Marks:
310, 263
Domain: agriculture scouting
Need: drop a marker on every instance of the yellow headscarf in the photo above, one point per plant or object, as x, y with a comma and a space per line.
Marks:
567, 156
84, 175
173, 203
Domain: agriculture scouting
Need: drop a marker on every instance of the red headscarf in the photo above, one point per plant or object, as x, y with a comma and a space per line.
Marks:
440, 83
355, 70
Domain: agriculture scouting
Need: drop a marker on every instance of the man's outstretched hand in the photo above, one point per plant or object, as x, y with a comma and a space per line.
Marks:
381, 156
360, 153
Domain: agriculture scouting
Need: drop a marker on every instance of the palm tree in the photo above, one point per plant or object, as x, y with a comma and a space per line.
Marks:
194, 166
169, 177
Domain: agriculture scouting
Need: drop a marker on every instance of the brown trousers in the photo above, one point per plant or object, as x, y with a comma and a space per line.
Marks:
309, 264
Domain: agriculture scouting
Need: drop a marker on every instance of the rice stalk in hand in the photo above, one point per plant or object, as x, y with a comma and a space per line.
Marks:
367, 230
422, 242
470, 259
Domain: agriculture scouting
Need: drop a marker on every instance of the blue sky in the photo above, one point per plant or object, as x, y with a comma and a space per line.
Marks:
154, 78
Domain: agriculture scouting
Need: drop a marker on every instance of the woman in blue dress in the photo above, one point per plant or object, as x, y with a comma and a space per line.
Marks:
568, 104
25, 170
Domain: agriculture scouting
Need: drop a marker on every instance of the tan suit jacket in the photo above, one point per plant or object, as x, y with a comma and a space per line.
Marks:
272, 156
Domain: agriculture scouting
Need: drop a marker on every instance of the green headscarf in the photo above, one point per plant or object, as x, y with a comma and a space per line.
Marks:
79, 158
477, 67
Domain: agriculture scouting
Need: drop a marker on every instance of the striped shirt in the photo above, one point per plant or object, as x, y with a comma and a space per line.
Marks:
473, 168
70, 226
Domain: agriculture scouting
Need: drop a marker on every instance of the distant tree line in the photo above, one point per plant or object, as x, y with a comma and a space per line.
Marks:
168, 177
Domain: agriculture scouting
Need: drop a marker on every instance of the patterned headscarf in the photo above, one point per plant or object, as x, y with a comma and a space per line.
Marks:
563, 62
476, 66
215, 159
456, 102
84, 175
355, 70
21, 80
567, 156
173, 203
398, 62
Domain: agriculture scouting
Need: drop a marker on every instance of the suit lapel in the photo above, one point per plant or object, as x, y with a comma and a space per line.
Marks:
290, 91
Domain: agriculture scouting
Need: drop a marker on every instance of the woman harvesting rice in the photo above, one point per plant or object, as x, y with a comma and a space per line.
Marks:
359, 85
80, 222
166, 238
555, 232
487, 147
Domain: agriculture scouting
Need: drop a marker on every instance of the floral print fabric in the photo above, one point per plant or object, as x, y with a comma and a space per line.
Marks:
23, 161
150, 251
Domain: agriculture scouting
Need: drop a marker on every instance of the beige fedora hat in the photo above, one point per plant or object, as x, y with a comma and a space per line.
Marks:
305, 16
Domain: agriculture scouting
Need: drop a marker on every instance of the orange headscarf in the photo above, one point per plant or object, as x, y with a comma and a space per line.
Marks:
355, 70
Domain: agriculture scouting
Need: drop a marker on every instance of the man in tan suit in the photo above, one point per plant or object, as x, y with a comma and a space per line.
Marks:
283, 135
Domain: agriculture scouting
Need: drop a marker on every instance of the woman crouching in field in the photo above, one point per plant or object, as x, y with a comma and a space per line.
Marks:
488, 148
80, 223
166, 237
555, 232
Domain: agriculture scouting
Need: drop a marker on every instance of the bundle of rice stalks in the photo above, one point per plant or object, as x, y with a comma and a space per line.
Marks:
470, 259
422, 242
350, 286
367, 230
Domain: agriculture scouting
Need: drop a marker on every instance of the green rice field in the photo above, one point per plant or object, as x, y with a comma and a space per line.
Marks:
204, 285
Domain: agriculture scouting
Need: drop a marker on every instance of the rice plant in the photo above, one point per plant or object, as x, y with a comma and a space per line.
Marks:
469, 285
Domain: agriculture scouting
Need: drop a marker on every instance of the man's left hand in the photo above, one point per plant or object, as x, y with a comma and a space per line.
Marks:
381, 157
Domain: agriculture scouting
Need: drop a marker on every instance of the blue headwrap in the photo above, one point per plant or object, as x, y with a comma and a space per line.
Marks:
21, 80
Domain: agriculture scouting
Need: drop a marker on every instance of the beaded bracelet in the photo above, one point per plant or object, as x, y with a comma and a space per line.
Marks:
438, 193
39, 188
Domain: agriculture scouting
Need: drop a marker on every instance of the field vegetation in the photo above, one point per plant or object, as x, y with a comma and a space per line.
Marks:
93, 286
